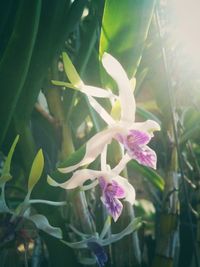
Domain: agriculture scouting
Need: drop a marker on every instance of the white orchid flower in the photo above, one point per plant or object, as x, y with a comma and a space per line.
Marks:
134, 136
113, 186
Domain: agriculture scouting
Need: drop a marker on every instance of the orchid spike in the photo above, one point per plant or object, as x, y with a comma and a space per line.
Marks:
134, 136
113, 186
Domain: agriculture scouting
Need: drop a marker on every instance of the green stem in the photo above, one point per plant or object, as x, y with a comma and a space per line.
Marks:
47, 202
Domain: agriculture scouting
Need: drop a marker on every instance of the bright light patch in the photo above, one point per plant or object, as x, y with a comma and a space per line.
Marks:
186, 20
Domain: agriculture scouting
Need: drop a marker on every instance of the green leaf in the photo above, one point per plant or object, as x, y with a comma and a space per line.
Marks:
154, 178
6, 168
16, 59
42, 223
147, 115
124, 30
70, 71
36, 170
6, 176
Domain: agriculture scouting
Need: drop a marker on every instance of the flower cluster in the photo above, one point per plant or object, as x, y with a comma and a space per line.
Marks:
132, 136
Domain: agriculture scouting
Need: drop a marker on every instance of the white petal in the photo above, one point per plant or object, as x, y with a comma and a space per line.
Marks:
104, 159
147, 126
133, 83
127, 100
77, 179
122, 164
94, 148
129, 189
96, 92
101, 111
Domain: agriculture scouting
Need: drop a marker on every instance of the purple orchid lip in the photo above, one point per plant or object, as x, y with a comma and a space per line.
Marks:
136, 145
112, 192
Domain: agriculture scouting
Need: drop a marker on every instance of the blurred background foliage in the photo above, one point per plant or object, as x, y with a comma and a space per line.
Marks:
141, 35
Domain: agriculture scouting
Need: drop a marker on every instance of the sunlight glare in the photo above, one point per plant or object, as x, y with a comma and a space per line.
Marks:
186, 21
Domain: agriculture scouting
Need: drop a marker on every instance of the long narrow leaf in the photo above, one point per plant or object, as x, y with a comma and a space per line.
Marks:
16, 59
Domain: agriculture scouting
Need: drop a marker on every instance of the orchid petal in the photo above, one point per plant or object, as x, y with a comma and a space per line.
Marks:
133, 83
147, 126
127, 100
101, 111
137, 138
94, 148
145, 156
77, 179
96, 91
128, 189
104, 159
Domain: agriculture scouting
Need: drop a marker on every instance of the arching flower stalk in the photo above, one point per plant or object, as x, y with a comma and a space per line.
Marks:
134, 136
114, 187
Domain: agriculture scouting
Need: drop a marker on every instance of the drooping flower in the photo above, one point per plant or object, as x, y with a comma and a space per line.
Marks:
98, 251
134, 136
113, 186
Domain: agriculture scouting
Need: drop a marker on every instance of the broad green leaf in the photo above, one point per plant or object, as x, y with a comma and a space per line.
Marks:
70, 71
36, 170
42, 223
6, 168
124, 30
154, 178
